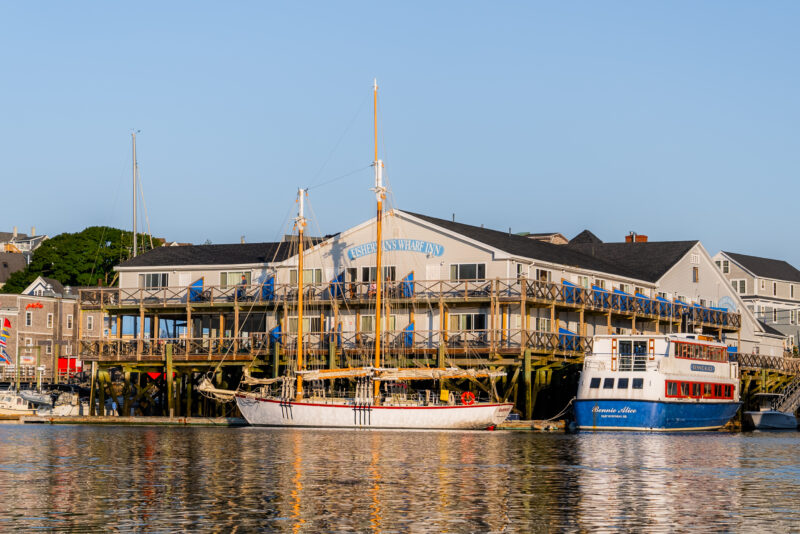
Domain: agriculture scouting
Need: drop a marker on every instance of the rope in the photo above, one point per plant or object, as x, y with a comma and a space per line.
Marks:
562, 412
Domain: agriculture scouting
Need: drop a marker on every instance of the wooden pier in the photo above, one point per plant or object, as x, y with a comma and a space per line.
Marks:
535, 361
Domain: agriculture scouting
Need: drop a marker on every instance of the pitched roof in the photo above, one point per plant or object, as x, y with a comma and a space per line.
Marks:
531, 248
11, 262
585, 237
650, 261
765, 267
231, 254
769, 330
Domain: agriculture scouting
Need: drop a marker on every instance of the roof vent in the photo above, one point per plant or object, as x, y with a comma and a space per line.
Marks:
633, 237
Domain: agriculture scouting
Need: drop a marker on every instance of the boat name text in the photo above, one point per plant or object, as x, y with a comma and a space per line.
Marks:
703, 367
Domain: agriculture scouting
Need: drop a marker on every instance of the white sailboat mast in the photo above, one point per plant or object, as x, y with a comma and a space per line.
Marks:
380, 195
300, 223
133, 138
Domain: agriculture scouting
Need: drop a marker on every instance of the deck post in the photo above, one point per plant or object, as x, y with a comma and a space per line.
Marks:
92, 383
170, 383
332, 352
235, 328
275, 349
189, 394
526, 376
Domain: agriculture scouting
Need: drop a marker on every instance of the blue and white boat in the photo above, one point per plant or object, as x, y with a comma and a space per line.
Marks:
672, 382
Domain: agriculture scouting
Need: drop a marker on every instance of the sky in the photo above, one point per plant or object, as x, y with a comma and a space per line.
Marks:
677, 120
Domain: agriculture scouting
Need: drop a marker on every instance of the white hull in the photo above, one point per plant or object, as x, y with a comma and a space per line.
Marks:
274, 412
771, 420
20, 411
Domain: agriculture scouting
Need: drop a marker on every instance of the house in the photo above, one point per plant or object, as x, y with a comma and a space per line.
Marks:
770, 289
21, 243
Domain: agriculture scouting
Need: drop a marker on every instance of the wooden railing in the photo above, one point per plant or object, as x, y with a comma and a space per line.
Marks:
772, 363
395, 342
503, 290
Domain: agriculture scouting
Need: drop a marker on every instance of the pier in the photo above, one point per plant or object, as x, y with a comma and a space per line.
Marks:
224, 330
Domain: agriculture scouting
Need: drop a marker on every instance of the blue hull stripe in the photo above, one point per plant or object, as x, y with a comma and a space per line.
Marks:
608, 414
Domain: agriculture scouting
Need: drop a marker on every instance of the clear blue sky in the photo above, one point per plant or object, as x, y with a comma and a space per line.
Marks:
679, 120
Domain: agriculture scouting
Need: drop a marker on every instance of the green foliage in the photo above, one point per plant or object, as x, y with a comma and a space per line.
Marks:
78, 259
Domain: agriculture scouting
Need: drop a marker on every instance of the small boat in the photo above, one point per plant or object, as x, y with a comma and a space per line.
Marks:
767, 417
15, 403
667, 382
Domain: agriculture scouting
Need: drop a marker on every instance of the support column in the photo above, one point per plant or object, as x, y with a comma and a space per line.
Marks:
221, 332
92, 383
275, 360
170, 382
526, 376
440, 357
236, 328
189, 394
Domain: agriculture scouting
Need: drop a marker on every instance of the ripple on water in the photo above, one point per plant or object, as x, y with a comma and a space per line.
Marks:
173, 479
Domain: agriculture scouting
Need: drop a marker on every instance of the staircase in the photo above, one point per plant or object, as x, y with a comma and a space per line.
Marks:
790, 397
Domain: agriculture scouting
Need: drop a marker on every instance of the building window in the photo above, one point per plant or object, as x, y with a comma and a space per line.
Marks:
310, 324
774, 315
695, 274
583, 281
600, 283
726, 266
624, 288
68, 350
740, 286
49, 320
28, 344
543, 324
234, 278
791, 291
774, 288
153, 280
467, 321
69, 322
792, 316
28, 318
368, 323
543, 275
694, 258
48, 349
791, 341
368, 273
310, 276
763, 284
520, 271
663, 295
89, 322
38, 292
471, 271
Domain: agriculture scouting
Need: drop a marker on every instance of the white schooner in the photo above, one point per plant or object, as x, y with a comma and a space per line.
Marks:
283, 401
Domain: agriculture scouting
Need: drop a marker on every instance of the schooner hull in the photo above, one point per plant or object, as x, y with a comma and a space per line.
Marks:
273, 412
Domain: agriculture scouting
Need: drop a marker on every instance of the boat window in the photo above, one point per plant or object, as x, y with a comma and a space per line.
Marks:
686, 388
595, 383
608, 383
622, 383
672, 389
696, 390
638, 383
707, 390
625, 352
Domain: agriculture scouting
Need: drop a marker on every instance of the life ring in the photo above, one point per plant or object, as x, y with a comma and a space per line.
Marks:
468, 398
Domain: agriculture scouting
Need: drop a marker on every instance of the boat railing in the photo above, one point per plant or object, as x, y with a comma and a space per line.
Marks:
562, 294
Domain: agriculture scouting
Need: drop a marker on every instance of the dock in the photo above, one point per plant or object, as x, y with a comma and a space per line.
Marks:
134, 421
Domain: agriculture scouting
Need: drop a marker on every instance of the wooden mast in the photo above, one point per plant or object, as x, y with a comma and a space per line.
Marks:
300, 222
380, 195
133, 138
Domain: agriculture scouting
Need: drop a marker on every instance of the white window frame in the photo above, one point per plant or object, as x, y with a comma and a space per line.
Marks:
371, 318
153, 280
229, 279
69, 321
739, 285
68, 349
463, 318
477, 266
389, 271
48, 349
695, 275
89, 322
726, 266
28, 318
763, 284
543, 324
308, 324
28, 345
600, 283
774, 289
50, 320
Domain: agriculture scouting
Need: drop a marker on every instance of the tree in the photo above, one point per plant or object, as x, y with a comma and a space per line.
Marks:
79, 259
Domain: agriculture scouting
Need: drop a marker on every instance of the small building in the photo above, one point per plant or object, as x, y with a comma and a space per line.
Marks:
44, 324
770, 289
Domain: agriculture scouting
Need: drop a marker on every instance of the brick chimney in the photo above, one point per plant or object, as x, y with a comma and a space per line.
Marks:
633, 237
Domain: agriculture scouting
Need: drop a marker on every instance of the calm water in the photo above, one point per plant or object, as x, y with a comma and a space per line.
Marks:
172, 479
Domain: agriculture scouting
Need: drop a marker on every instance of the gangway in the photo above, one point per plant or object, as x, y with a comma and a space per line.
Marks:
789, 400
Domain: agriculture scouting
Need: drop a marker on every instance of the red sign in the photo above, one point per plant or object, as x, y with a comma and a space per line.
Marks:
37, 305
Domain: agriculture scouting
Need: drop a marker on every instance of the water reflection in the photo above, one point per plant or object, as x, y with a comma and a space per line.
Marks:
117, 478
